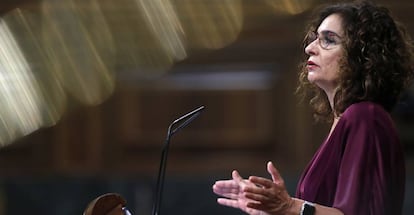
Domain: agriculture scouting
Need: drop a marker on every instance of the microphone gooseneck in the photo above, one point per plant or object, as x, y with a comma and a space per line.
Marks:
174, 127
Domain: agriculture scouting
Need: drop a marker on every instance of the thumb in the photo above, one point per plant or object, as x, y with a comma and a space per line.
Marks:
238, 179
236, 176
271, 169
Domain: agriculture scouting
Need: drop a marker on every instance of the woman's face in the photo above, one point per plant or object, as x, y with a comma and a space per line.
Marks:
325, 51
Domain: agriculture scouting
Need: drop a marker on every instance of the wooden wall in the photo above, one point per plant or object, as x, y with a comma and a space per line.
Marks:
240, 128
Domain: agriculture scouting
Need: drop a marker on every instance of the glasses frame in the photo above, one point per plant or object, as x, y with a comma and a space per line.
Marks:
325, 39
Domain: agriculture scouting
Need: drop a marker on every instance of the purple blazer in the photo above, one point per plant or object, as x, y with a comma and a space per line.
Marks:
360, 168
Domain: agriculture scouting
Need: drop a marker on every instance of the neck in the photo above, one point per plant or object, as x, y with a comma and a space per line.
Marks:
331, 97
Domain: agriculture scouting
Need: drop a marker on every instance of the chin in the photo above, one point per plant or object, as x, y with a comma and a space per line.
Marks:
311, 77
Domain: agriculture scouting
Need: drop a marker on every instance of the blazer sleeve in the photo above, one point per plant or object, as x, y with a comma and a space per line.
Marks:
372, 173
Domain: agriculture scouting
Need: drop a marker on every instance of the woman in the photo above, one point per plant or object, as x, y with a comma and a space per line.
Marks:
358, 62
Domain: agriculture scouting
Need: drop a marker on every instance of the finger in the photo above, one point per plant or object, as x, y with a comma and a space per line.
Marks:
256, 197
239, 180
260, 182
228, 202
257, 206
255, 185
236, 176
274, 173
225, 191
229, 184
231, 196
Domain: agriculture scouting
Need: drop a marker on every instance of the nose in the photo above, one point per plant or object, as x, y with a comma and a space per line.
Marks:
311, 48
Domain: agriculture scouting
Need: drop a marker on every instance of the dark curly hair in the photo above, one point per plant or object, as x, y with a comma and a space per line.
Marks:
377, 64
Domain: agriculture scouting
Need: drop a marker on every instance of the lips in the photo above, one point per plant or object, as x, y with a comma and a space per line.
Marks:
311, 65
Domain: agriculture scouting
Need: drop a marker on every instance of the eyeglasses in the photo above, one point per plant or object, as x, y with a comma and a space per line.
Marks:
125, 211
326, 39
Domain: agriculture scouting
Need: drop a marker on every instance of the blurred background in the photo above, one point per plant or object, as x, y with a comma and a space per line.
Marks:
89, 88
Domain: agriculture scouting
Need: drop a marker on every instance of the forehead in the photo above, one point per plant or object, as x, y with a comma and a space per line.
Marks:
332, 23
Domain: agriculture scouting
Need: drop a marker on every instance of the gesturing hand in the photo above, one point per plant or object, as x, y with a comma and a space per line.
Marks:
268, 196
233, 191
257, 195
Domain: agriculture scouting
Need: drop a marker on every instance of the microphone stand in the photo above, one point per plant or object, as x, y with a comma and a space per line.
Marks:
178, 124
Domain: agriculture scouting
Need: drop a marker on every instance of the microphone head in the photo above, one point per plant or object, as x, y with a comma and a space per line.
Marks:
192, 113
184, 120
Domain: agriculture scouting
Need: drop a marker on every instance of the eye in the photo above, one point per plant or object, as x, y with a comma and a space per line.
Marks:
328, 38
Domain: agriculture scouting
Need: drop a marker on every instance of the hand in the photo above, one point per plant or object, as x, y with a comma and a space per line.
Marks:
268, 196
233, 191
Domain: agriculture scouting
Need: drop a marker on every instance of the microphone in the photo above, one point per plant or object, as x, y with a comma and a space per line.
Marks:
174, 127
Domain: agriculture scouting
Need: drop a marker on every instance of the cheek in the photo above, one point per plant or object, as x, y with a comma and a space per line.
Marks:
333, 64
